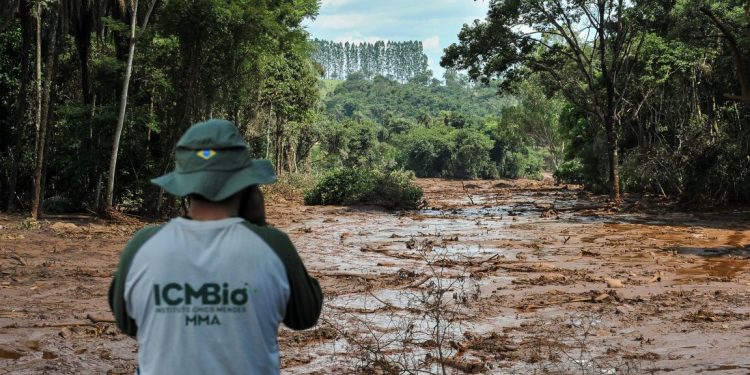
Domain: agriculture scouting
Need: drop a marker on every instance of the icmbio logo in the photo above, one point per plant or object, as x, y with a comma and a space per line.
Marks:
174, 294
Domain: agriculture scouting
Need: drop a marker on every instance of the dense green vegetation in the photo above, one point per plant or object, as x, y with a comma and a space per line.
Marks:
655, 94
452, 130
366, 186
645, 96
247, 61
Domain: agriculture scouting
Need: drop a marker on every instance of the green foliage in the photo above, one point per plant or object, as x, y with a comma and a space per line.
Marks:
660, 104
247, 61
699, 168
352, 186
352, 144
471, 155
587, 150
570, 172
396, 106
426, 151
30, 224
537, 118
436, 131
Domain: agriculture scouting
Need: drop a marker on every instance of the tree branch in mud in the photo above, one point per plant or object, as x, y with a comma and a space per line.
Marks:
419, 334
568, 347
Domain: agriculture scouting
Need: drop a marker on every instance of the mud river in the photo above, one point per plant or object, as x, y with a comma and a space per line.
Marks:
495, 277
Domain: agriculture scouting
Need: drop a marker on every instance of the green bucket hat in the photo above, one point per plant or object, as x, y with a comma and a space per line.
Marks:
212, 160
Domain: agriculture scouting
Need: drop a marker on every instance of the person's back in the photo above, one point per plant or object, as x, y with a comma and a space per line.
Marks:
207, 296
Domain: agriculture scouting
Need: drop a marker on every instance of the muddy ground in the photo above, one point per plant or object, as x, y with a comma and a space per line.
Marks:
499, 277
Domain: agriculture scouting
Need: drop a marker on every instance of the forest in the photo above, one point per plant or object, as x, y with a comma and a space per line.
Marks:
650, 97
654, 93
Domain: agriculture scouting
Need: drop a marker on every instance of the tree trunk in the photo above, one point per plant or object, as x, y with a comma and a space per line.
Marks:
614, 163
22, 102
83, 42
38, 117
43, 111
122, 105
278, 148
611, 123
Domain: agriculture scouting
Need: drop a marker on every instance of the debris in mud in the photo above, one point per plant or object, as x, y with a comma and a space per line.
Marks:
547, 279
673, 289
704, 314
501, 346
7, 353
656, 278
18, 259
548, 214
60, 227
465, 366
614, 283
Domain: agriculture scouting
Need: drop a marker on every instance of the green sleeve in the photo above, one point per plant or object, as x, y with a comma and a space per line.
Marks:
306, 298
116, 294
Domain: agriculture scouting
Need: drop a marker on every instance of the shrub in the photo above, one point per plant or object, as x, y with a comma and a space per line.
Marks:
511, 152
521, 164
397, 189
471, 158
361, 186
427, 151
570, 172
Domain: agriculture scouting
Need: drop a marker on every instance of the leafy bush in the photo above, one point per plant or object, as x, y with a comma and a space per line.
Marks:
427, 151
512, 152
362, 186
352, 144
526, 163
588, 148
471, 157
570, 172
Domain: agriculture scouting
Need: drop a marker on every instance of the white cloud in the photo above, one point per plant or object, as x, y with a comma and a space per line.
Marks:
432, 43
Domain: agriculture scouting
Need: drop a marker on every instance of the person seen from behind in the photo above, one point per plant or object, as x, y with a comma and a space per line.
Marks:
205, 293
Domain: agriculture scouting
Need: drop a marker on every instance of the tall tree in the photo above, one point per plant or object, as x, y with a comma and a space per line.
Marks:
587, 47
21, 118
124, 96
44, 87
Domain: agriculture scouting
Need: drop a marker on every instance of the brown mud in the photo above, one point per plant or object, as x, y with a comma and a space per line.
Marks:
552, 280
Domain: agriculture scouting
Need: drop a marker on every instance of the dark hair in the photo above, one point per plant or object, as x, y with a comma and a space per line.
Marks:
200, 198
252, 205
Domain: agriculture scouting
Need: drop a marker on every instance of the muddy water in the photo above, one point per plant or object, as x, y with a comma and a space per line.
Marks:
540, 256
528, 276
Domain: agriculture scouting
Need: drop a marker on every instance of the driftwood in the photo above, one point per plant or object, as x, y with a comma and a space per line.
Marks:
90, 320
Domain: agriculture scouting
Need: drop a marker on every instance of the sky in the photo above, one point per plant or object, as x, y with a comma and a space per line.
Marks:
435, 22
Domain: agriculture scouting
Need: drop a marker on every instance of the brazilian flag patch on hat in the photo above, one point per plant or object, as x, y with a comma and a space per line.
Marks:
206, 154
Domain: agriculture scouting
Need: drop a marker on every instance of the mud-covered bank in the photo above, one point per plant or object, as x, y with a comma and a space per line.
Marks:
532, 277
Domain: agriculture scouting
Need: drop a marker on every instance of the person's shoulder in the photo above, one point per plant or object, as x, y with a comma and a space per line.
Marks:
272, 236
146, 232
141, 237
